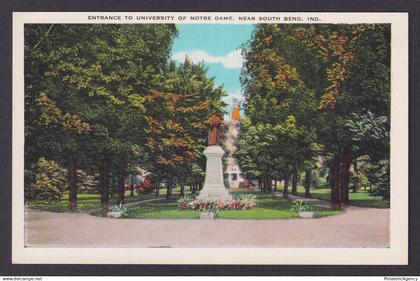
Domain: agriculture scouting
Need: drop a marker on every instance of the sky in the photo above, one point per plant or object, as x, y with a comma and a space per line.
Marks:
218, 45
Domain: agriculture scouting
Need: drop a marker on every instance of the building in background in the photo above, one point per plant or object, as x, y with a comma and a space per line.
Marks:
233, 176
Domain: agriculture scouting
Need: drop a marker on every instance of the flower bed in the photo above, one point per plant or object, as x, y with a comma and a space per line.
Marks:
242, 202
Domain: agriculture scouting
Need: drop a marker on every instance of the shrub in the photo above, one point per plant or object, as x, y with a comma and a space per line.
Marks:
208, 206
86, 183
183, 202
47, 180
247, 201
378, 175
120, 209
299, 206
244, 201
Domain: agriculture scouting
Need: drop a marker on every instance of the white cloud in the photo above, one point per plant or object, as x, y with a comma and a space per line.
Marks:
231, 60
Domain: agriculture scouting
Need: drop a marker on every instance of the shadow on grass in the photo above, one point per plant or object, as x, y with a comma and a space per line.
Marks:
167, 209
360, 199
85, 202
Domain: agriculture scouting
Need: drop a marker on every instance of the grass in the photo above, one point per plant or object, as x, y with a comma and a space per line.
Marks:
84, 202
361, 198
161, 210
268, 207
364, 199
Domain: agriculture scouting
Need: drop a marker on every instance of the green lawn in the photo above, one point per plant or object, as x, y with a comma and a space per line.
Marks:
361, 198
268, 207
84, 202
161, 210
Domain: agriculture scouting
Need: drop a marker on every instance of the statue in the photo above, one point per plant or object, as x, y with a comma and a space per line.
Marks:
215, 134
214, 188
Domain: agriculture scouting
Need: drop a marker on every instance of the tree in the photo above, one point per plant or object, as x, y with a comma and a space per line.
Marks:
357, 59
47, 180
178, 130
326, 77
279, 106
93, 75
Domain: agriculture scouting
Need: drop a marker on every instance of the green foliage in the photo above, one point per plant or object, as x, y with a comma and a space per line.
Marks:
47, 180
96, 92
87, 183
108, 91
317, 180
184, 201
249, 200
120, 209
378, 175
315, 90
299, 206
370, 134
361, 178
277, 135
178, 131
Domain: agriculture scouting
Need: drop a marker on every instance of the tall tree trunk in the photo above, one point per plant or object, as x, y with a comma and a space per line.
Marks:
286, 186
308, 183
157, 187
132, 186
168, 186
182, 187
72, 175
112, 185
335, 182
264, 184
105, 183
169, 189
268, 184
275, 185
355, 182
121, 179
346, 159
294, 181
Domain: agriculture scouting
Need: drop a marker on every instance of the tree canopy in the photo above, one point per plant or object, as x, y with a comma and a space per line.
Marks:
104, 97
316, 92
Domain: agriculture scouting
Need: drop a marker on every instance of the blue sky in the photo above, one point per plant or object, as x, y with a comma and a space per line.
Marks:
218, 45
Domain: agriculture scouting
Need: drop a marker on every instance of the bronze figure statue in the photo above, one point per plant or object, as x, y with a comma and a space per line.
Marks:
215, 134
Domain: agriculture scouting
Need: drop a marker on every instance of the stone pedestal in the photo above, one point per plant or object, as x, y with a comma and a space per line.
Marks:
214, 188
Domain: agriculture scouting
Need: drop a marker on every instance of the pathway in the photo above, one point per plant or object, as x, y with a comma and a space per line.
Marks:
357, 227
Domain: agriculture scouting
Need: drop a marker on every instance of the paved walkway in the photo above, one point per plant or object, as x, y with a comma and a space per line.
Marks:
357, 227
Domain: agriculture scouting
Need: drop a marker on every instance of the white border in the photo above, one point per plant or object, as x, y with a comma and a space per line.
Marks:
396, 254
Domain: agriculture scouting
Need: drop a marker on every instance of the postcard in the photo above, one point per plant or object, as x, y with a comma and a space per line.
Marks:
210, 138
